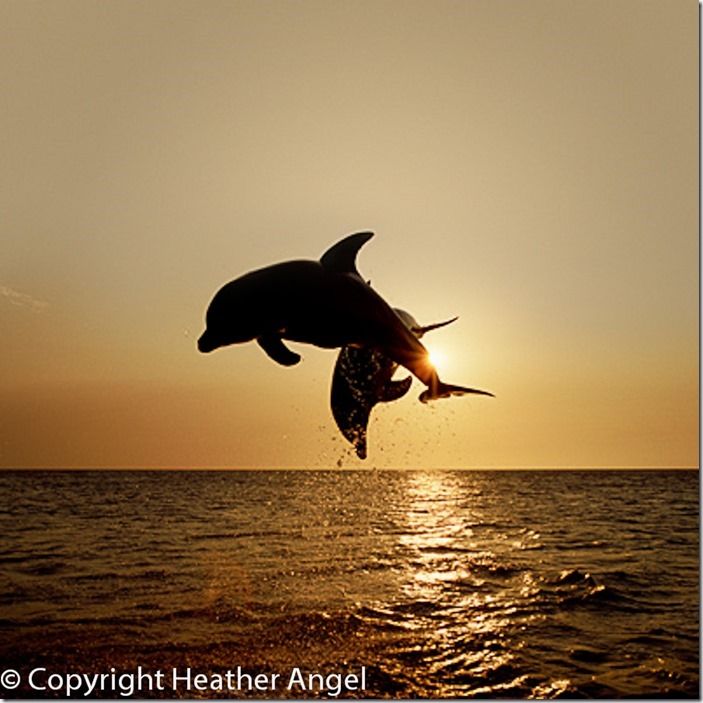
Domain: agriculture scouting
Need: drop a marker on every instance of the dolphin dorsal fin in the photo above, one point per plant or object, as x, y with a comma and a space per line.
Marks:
341, 257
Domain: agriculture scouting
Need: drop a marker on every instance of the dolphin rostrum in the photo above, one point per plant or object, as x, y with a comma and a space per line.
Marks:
363, 378
325, 303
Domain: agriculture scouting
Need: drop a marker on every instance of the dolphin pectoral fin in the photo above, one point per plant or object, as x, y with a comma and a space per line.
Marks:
394, 390
444, 390
341, 257
279, 352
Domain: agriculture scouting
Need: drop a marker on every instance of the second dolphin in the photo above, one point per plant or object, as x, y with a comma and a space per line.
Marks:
362, 379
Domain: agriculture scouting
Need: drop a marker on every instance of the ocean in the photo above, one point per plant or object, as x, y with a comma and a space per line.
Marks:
430, 584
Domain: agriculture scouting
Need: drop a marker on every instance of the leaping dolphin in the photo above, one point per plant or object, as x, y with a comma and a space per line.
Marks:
363, 377
325, 303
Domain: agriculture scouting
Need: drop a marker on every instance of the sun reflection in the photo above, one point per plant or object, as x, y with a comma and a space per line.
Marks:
445, 593
434, 530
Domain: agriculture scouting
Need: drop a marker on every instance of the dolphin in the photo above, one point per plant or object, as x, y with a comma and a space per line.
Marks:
325, 303
363, 378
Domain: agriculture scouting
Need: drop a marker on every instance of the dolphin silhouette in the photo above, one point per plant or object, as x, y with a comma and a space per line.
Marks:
363, 378
325, 303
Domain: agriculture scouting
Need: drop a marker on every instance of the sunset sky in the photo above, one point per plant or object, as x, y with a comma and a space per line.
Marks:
531, 167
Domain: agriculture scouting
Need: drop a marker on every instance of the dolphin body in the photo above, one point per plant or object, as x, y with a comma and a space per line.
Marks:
363, 378
325, 303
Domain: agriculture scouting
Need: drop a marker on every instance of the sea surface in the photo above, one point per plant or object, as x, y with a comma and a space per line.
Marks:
441, 584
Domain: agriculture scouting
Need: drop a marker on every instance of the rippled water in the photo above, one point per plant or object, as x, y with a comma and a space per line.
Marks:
443, 584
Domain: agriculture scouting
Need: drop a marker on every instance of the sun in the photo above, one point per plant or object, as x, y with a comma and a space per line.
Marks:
437, 357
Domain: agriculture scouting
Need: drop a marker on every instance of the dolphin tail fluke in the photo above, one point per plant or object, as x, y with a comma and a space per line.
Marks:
420, 330
341, 257
444, 390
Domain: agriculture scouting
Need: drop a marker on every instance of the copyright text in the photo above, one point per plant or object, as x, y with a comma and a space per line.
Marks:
184, 679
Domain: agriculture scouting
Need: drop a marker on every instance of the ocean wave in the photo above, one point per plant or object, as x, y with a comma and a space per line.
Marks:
519, 591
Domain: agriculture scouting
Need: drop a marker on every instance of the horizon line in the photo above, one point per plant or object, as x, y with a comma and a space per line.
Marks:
349, 468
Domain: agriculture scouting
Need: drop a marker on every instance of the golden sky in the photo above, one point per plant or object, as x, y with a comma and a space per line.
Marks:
530, 166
